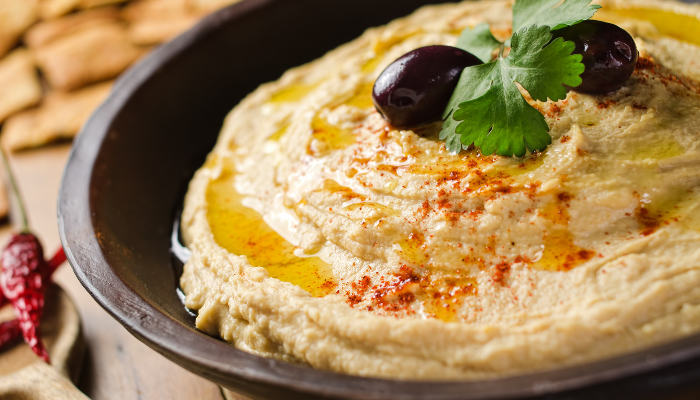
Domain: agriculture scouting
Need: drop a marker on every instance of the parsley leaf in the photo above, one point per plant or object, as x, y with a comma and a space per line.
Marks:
494, 114
542, 67
501, 121
478, 41
449, 135
550, 13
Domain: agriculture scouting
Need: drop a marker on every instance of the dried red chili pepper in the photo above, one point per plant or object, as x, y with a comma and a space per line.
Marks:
25, 275
9, 331
58, 258
23, 280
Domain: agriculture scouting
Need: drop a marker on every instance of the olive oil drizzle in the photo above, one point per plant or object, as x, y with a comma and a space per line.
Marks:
293, 92
678, 26
242, 231
559, 253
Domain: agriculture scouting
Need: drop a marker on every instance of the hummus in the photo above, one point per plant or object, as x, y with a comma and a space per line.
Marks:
321, 235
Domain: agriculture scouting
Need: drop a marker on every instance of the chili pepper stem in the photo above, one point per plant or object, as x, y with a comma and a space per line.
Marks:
14, 188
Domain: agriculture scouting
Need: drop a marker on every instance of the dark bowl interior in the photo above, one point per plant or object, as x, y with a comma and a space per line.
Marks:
129, 169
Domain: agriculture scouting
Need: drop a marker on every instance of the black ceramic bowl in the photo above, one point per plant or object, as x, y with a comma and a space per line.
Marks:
129, 168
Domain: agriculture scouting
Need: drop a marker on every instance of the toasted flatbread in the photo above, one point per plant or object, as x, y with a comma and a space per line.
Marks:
45, 32
87, 56
19, 82
140, 10
157, 21
152, 31
98, 3
207, 6
51, 9
15, 17
60, 116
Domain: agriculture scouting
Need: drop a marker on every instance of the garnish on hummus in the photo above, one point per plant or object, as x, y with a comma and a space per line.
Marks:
324, 235
487, 109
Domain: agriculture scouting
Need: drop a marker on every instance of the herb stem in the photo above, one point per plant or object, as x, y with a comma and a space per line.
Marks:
24, 223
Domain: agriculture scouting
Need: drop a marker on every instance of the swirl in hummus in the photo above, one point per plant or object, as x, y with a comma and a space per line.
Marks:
321, 235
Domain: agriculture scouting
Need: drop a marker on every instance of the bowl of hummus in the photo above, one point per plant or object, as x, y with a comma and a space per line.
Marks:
333, 255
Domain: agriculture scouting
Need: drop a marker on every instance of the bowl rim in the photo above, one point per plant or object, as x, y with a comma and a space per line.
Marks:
223, 363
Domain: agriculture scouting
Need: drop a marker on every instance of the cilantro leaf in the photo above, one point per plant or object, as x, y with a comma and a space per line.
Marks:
542, 67
495, 116
501, 121
550, 13
448, 134
473, 82
478, 41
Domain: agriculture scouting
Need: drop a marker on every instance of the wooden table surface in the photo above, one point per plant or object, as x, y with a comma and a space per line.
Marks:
117, 365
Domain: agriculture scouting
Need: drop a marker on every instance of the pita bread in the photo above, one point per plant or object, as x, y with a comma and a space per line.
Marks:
50, 9
46, 32
207, 6
87, 56
157, 21
98, 3
158, 30
141, 10
60, 116
19, 82
15, 17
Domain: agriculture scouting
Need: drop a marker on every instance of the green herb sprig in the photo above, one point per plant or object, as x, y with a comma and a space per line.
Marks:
487, 108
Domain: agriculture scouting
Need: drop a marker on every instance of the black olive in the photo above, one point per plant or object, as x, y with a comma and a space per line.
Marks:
415, 89
609, 55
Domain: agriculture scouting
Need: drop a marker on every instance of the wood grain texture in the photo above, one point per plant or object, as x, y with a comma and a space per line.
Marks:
116, 365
